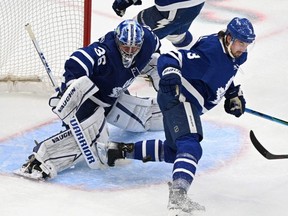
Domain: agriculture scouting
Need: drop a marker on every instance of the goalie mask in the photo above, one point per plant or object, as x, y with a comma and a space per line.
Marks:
129, 39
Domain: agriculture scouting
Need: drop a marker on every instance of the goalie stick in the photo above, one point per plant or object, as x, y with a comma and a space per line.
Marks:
90, 158
260, 148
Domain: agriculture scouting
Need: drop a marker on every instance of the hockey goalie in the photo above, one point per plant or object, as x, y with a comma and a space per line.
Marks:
94, 93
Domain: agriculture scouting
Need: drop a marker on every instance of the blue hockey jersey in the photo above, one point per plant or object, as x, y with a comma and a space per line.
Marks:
207, 71
102, 63
167, 5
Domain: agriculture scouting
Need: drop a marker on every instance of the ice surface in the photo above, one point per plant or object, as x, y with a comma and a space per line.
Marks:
233, 179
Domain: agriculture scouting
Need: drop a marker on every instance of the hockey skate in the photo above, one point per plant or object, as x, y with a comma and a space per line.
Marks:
181, 205
34, 169
118, 151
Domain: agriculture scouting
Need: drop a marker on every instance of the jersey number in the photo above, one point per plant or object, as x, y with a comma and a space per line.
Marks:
101, 53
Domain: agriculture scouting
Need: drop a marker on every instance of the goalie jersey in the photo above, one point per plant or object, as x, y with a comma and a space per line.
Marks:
101, 62
207, 71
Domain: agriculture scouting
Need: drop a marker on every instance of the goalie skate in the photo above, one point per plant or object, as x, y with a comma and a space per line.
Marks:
36, 175
33, 169
118, 151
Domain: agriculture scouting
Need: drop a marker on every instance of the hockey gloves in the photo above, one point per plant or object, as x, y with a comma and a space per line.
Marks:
235, 102
170, 84
151, 72
119, 6
169, 88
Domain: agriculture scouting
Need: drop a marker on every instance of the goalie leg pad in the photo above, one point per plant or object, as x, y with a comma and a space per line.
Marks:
135, 114
75, 95
61, 151
156, 120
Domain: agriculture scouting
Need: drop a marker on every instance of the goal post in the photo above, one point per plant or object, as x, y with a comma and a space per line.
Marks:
61, 27
87, 22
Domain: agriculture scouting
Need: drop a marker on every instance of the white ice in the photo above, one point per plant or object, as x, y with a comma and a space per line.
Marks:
240, 181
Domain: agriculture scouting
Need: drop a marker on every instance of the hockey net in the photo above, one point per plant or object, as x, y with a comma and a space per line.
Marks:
60, 26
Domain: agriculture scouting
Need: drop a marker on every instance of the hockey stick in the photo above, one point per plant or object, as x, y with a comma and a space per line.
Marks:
265, 116
41, 56
90, 158
260, 148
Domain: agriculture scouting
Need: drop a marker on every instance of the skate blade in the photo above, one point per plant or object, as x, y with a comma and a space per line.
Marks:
181, 213
36, 176
197, 210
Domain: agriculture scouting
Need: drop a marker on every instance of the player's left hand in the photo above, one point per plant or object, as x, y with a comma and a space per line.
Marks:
235, 102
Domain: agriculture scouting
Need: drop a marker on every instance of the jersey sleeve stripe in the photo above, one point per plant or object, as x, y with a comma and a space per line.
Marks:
194, 92
81, 63
87, 56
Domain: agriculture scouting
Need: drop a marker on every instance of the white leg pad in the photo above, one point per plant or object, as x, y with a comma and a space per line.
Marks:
61, 151
156, 120
135, 114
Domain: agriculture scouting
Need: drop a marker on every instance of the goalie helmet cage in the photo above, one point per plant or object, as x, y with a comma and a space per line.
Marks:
60, 27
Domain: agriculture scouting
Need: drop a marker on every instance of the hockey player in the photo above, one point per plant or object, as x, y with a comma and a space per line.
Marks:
192, 82
94, 81
168, 19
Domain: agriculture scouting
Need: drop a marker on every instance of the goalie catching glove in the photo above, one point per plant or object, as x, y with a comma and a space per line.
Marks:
235, 102
151, 72
135, 114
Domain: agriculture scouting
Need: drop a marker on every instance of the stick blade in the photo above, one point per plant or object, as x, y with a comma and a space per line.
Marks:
258, 145
263, 150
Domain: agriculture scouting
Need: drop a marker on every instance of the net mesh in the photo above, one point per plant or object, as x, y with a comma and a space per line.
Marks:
58, 26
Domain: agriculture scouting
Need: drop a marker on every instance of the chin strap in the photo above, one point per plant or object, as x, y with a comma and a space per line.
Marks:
228, 47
